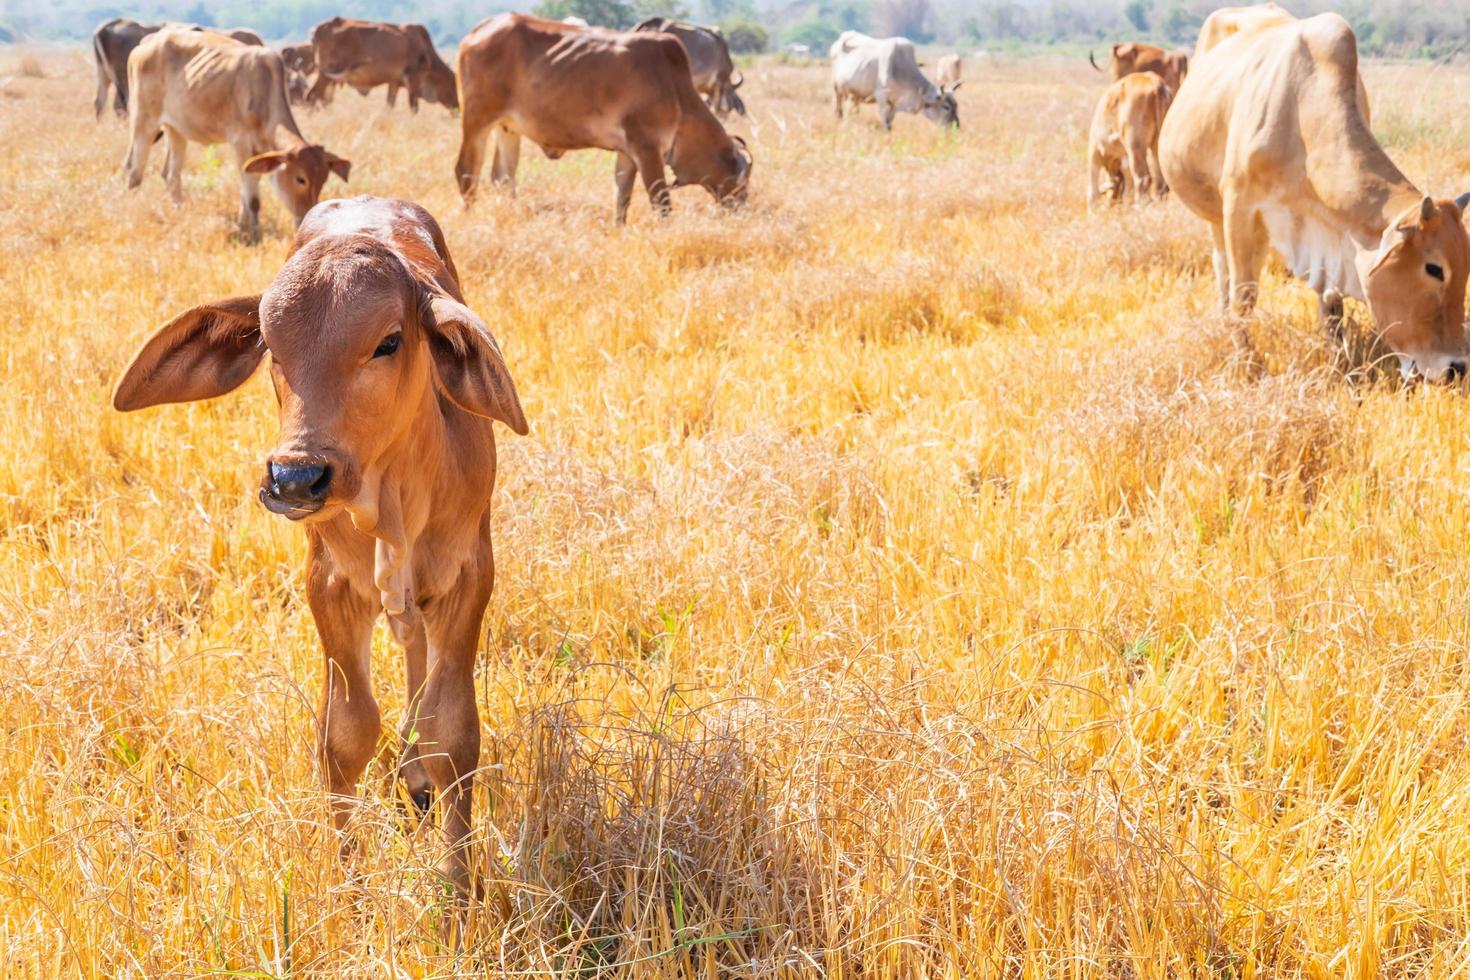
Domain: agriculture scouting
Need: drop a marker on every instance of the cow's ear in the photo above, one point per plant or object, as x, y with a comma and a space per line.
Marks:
339, 166
264, 163
468, 363
206, 352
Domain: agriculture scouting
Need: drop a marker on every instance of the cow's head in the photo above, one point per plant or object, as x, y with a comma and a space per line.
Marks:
299, 174
1124, 59
358, 350
1415, 285
940, 105
721, 167
440, 85
730, 100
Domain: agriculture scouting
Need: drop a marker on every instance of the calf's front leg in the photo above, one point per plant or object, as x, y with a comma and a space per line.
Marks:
348, 723
448, 718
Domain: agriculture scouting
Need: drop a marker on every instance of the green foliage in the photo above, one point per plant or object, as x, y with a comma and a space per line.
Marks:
745, 36
815, 33
1137, 13
604, 13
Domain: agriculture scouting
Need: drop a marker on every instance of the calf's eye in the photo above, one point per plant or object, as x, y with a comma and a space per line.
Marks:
1435, 271
301, 180
389, 345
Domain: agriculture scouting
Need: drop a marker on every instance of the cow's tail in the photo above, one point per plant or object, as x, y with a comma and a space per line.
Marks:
1093, 60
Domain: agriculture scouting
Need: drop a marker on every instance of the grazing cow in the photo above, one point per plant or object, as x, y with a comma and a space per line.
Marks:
1123, 144
113, 41
885, 71
299, 57
1227, 21
948, 70
1130, 56
566, 88
200, 86
714, 72
387, 384
365, 54
1269, 143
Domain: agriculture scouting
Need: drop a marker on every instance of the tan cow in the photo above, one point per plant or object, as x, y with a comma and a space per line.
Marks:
1268, 142
567, 88
1123, 144
200, 86
1228, 21
387, 385
115, 40
1130, 56
365, 54
948, 70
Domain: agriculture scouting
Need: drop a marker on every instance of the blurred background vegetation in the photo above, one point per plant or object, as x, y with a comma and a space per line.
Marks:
1410, 28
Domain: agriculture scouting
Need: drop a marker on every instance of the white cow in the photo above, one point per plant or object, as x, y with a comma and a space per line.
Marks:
886, 71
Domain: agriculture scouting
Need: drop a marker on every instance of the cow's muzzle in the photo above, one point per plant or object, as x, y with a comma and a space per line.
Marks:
297, 489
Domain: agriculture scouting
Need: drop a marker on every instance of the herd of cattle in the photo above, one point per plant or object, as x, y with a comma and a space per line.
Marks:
388, 383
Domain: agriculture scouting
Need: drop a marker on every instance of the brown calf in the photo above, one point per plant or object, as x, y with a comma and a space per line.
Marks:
387, 385
1123, 143
201, 86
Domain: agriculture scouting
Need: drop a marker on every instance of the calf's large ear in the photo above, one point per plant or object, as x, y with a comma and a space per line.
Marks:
206, 352
339, 166
469, 365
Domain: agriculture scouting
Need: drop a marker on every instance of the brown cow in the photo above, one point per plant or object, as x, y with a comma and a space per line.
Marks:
1123, 143
567, 88
387, 384
114, 40
365, 54
299, 57
1130, 56
201, 86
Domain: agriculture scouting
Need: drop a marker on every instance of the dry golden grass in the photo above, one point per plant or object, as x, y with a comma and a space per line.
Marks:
903, 579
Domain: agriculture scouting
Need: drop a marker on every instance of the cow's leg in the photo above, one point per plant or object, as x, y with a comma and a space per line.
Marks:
410, 769
449, 721
651, 169
413, 93
320, 92
1222, 268
143, 129
837, 101
392, 95
507, 159
886, 110
1242, 256
173, 164
1094, 186
1137, 163
348, 724
100, 101
474, 133
249, 217
623, 177
1161, 186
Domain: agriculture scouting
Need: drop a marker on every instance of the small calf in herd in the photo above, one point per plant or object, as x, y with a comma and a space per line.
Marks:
387, 386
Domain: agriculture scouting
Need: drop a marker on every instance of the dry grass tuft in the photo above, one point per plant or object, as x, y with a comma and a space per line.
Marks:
911, 576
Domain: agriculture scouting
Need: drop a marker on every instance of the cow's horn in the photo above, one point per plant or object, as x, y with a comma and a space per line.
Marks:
738, 80
1463, 200
1426, 208
1093, 60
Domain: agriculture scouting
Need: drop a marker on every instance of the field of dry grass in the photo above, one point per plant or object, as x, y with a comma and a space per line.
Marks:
903, 578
